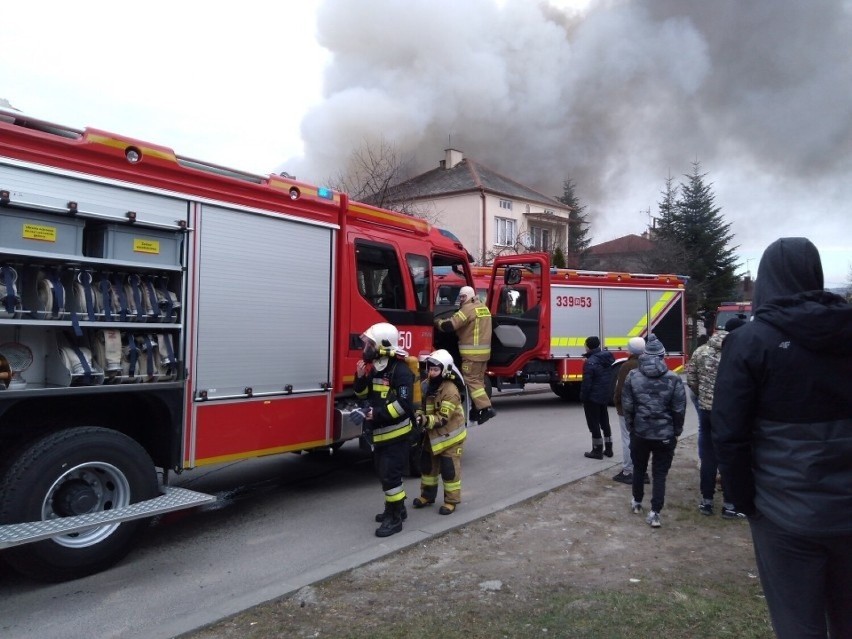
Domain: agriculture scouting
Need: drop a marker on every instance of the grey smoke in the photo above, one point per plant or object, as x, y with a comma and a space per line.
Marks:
616, 98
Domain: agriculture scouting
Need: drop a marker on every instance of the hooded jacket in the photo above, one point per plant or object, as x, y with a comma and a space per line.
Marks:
782, 411
596, 386
654, 400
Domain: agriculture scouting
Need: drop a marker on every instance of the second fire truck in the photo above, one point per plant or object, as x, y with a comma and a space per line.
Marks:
542, 317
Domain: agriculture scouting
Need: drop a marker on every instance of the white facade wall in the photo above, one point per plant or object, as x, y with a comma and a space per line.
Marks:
463, 215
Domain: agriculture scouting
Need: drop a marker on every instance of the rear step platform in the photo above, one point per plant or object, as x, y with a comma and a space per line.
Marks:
173, 499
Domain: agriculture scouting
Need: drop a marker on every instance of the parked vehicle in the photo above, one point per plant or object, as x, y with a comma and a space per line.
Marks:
729, 310
543, 315
158, 313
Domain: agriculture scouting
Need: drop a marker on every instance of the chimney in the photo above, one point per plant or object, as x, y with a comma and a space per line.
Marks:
451, 158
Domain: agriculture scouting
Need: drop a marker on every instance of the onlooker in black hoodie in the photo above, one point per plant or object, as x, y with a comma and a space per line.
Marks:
782, 427
595, 393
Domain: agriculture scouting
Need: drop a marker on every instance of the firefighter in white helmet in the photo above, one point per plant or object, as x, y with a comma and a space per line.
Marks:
472, 325
385, 382
443, 417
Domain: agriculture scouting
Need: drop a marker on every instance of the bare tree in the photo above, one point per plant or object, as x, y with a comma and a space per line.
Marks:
375, 173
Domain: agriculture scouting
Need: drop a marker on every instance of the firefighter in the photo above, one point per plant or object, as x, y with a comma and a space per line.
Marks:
472, 325
385, 382
443, 417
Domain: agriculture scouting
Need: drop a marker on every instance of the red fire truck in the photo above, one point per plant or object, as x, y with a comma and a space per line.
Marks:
728, 311
542, 317
158, 313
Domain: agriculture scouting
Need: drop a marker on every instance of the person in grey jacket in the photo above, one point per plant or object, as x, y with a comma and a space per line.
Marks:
782, 428
654, 402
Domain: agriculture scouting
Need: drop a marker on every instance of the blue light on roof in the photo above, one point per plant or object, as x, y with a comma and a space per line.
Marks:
325, 193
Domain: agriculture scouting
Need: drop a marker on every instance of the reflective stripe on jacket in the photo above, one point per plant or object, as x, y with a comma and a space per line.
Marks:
445, 420
472, 324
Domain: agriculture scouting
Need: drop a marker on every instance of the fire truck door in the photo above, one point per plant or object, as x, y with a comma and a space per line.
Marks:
264, 305
517, 303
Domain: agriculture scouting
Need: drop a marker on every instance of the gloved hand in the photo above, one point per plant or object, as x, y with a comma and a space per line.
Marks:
420, 419
357, 417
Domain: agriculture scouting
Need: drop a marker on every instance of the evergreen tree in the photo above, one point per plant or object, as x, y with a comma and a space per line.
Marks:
694, 239
578, 227
670, 254
557, 259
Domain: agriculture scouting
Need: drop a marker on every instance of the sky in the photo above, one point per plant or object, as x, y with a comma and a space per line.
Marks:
616, 95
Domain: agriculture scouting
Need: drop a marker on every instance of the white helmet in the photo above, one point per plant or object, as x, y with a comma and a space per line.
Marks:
384, 338
467, 292
443, 359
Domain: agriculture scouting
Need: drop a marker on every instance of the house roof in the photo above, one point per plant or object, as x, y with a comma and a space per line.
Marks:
467, 176
626, 244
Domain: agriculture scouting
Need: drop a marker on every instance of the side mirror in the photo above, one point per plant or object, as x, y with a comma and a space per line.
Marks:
512, 276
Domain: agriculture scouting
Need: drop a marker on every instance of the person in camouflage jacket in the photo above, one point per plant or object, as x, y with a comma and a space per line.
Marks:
701, 378
654, 402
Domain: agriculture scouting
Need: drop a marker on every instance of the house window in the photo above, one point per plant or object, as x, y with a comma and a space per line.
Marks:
505, 231
506, 204
540, 238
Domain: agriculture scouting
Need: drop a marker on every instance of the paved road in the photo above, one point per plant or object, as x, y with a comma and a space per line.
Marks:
291, 521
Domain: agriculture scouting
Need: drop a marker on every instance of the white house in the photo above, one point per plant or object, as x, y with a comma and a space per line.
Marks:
490, 213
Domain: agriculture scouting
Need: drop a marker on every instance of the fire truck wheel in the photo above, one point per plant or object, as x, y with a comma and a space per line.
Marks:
73, 472
566, 392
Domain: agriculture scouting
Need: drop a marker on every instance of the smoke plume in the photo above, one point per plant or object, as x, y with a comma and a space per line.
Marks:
616, 97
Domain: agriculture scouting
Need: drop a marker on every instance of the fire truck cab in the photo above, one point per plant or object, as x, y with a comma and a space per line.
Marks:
729, 310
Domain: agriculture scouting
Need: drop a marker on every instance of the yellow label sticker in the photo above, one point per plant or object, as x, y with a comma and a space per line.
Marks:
39, 232
146, 246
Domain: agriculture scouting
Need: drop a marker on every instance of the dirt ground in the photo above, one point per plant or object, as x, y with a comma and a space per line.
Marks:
580, 536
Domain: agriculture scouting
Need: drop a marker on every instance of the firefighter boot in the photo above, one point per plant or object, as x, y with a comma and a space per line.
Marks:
391, 524
608, 447
381, 516
486, 413
597, 450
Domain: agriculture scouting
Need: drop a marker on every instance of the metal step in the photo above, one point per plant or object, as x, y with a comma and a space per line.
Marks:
173, 499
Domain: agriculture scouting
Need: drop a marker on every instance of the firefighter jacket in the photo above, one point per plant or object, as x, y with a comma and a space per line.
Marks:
388, 392
444, 417
702, 368
472, 324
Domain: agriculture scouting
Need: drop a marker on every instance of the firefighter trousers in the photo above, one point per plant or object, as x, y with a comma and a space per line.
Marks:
474, 378
446, 465
391, 459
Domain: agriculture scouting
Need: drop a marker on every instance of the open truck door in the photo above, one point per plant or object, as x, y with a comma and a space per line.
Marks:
519, 298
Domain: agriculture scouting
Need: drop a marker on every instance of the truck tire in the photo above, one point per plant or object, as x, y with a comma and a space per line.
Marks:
70, 472
569, 392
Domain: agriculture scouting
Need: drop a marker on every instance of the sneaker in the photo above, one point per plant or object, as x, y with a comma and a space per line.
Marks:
623, 478
653, 519
707, 509
730, 513
635, 507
